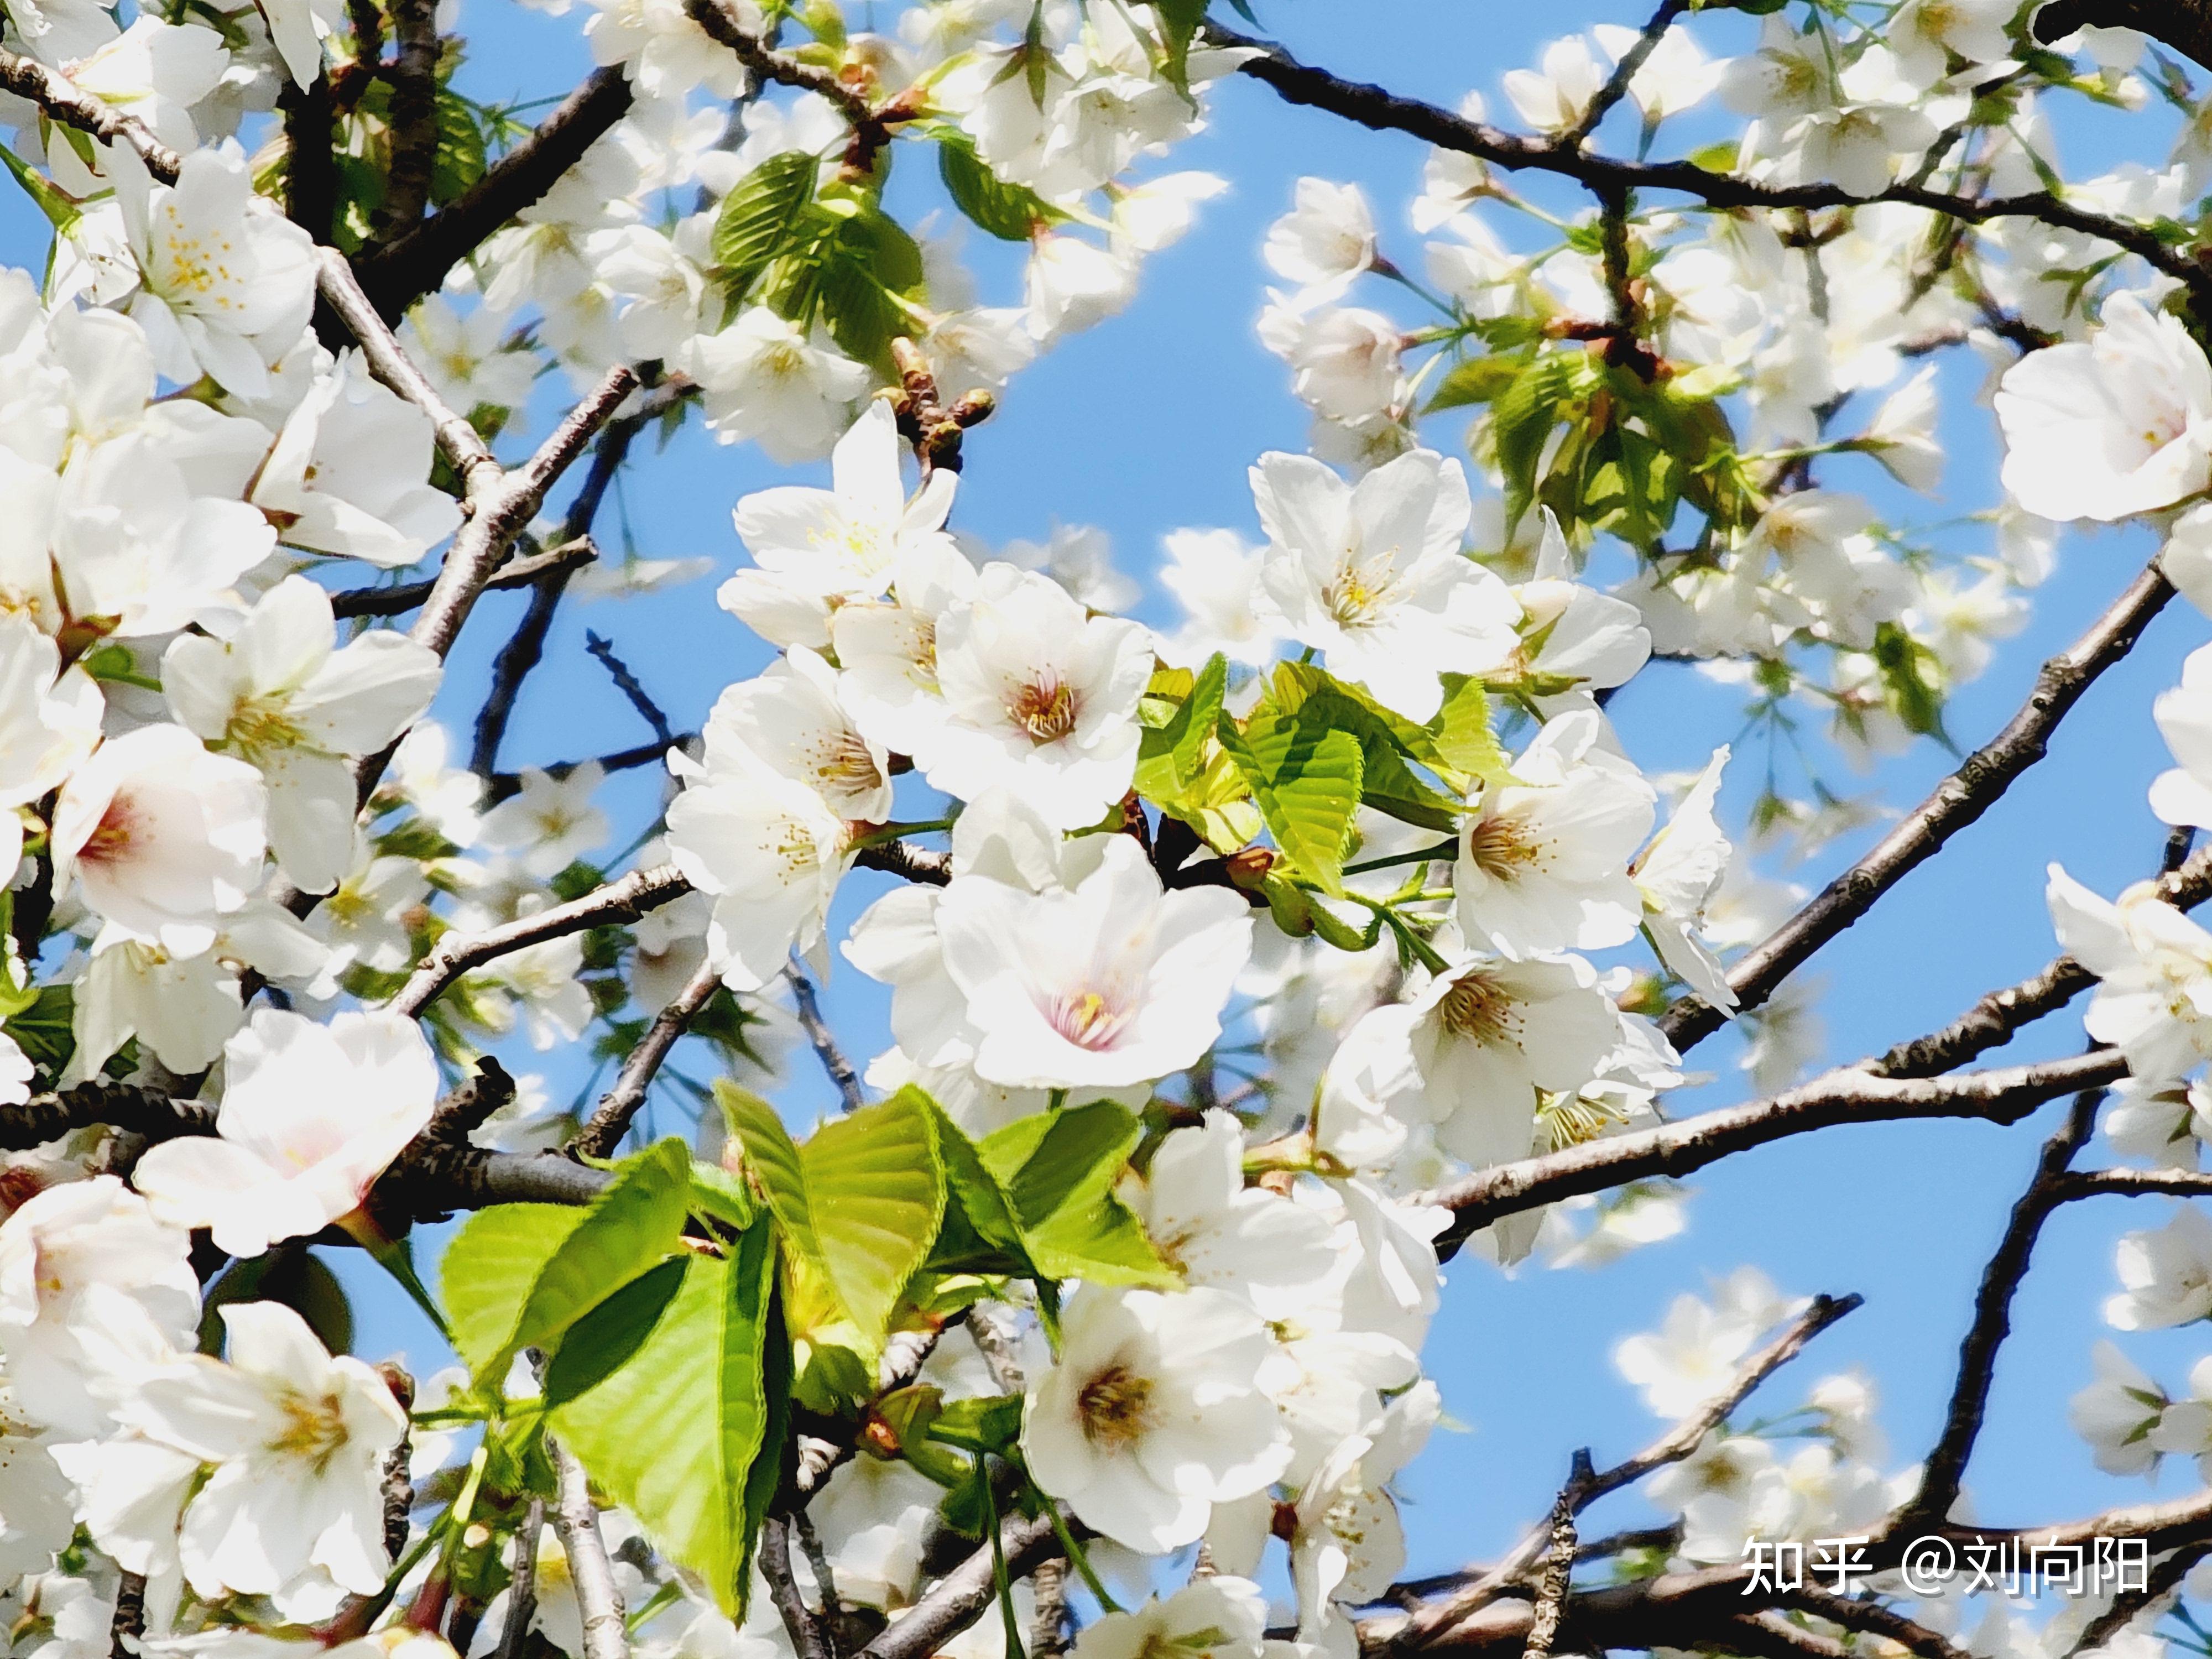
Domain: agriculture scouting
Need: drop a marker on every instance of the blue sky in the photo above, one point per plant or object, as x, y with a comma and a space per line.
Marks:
1148, 423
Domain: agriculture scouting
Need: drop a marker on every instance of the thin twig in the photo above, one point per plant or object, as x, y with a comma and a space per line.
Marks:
1992, 1021
1381, 110
622, 900
809, 1639
1979, 782
628, 685
1616, 84
503, 785
1558, 1563
403, 597
522, 1584
823, 1039
1850, 1096
1476, 1590
610, 1120
1945, 1466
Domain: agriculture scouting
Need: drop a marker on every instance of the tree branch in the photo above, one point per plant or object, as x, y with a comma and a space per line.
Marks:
1978, 784
418, 263
413, 77
1381, 110
1848, 1096
1992, 1021
397, 600
610, 1121
962, 1596
871, 127
1945, 1466
809, 1639
126, 1106
1672, 1447
622, 900
824, 1041
598, 1598
522, 1584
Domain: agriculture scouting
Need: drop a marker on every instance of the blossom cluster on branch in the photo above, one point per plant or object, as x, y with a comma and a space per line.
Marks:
1240, 972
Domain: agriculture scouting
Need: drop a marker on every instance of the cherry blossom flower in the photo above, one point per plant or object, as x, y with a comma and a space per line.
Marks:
1151, 1415
1371, 575
1112, 980
281, 694
311, 1115
2113, 426
1039, 698
163, 837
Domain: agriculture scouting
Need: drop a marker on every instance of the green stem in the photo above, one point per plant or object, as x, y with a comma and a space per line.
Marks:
998, 1579
1443, 849
1075, 1551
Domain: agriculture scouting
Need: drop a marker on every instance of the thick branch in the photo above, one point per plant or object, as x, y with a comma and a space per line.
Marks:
926, 865
413, 77
126, 1106
1850, 1095
962, 1596
1980, 782
62, 99
418, 263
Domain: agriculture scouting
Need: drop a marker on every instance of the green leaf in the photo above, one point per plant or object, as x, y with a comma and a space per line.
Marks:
1170, 757
1011, 212
1523, 415
1386, 782
681, 1434
1475, 380
717, 1194
1179, 25
458, 161
602, 1342
1461, 732
1305, 781
772, 1162
984, 1423
876, 1188
631, 1227
1059, 1170
490, 1267
760, 218
981, 1232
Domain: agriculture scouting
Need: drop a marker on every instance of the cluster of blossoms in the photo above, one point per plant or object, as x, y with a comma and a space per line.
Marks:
1253, 938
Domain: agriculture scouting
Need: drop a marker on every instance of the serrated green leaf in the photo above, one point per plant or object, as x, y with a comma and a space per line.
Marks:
1304, 778
681, 1434
771, 1160
1386, 739
716, 1193
1523, 415
1170, 757
1011, 212
490, 1267
1462, 733
762, 216
632, 1226
603, 1341
1475, 380
875, 1185
1059, 1170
